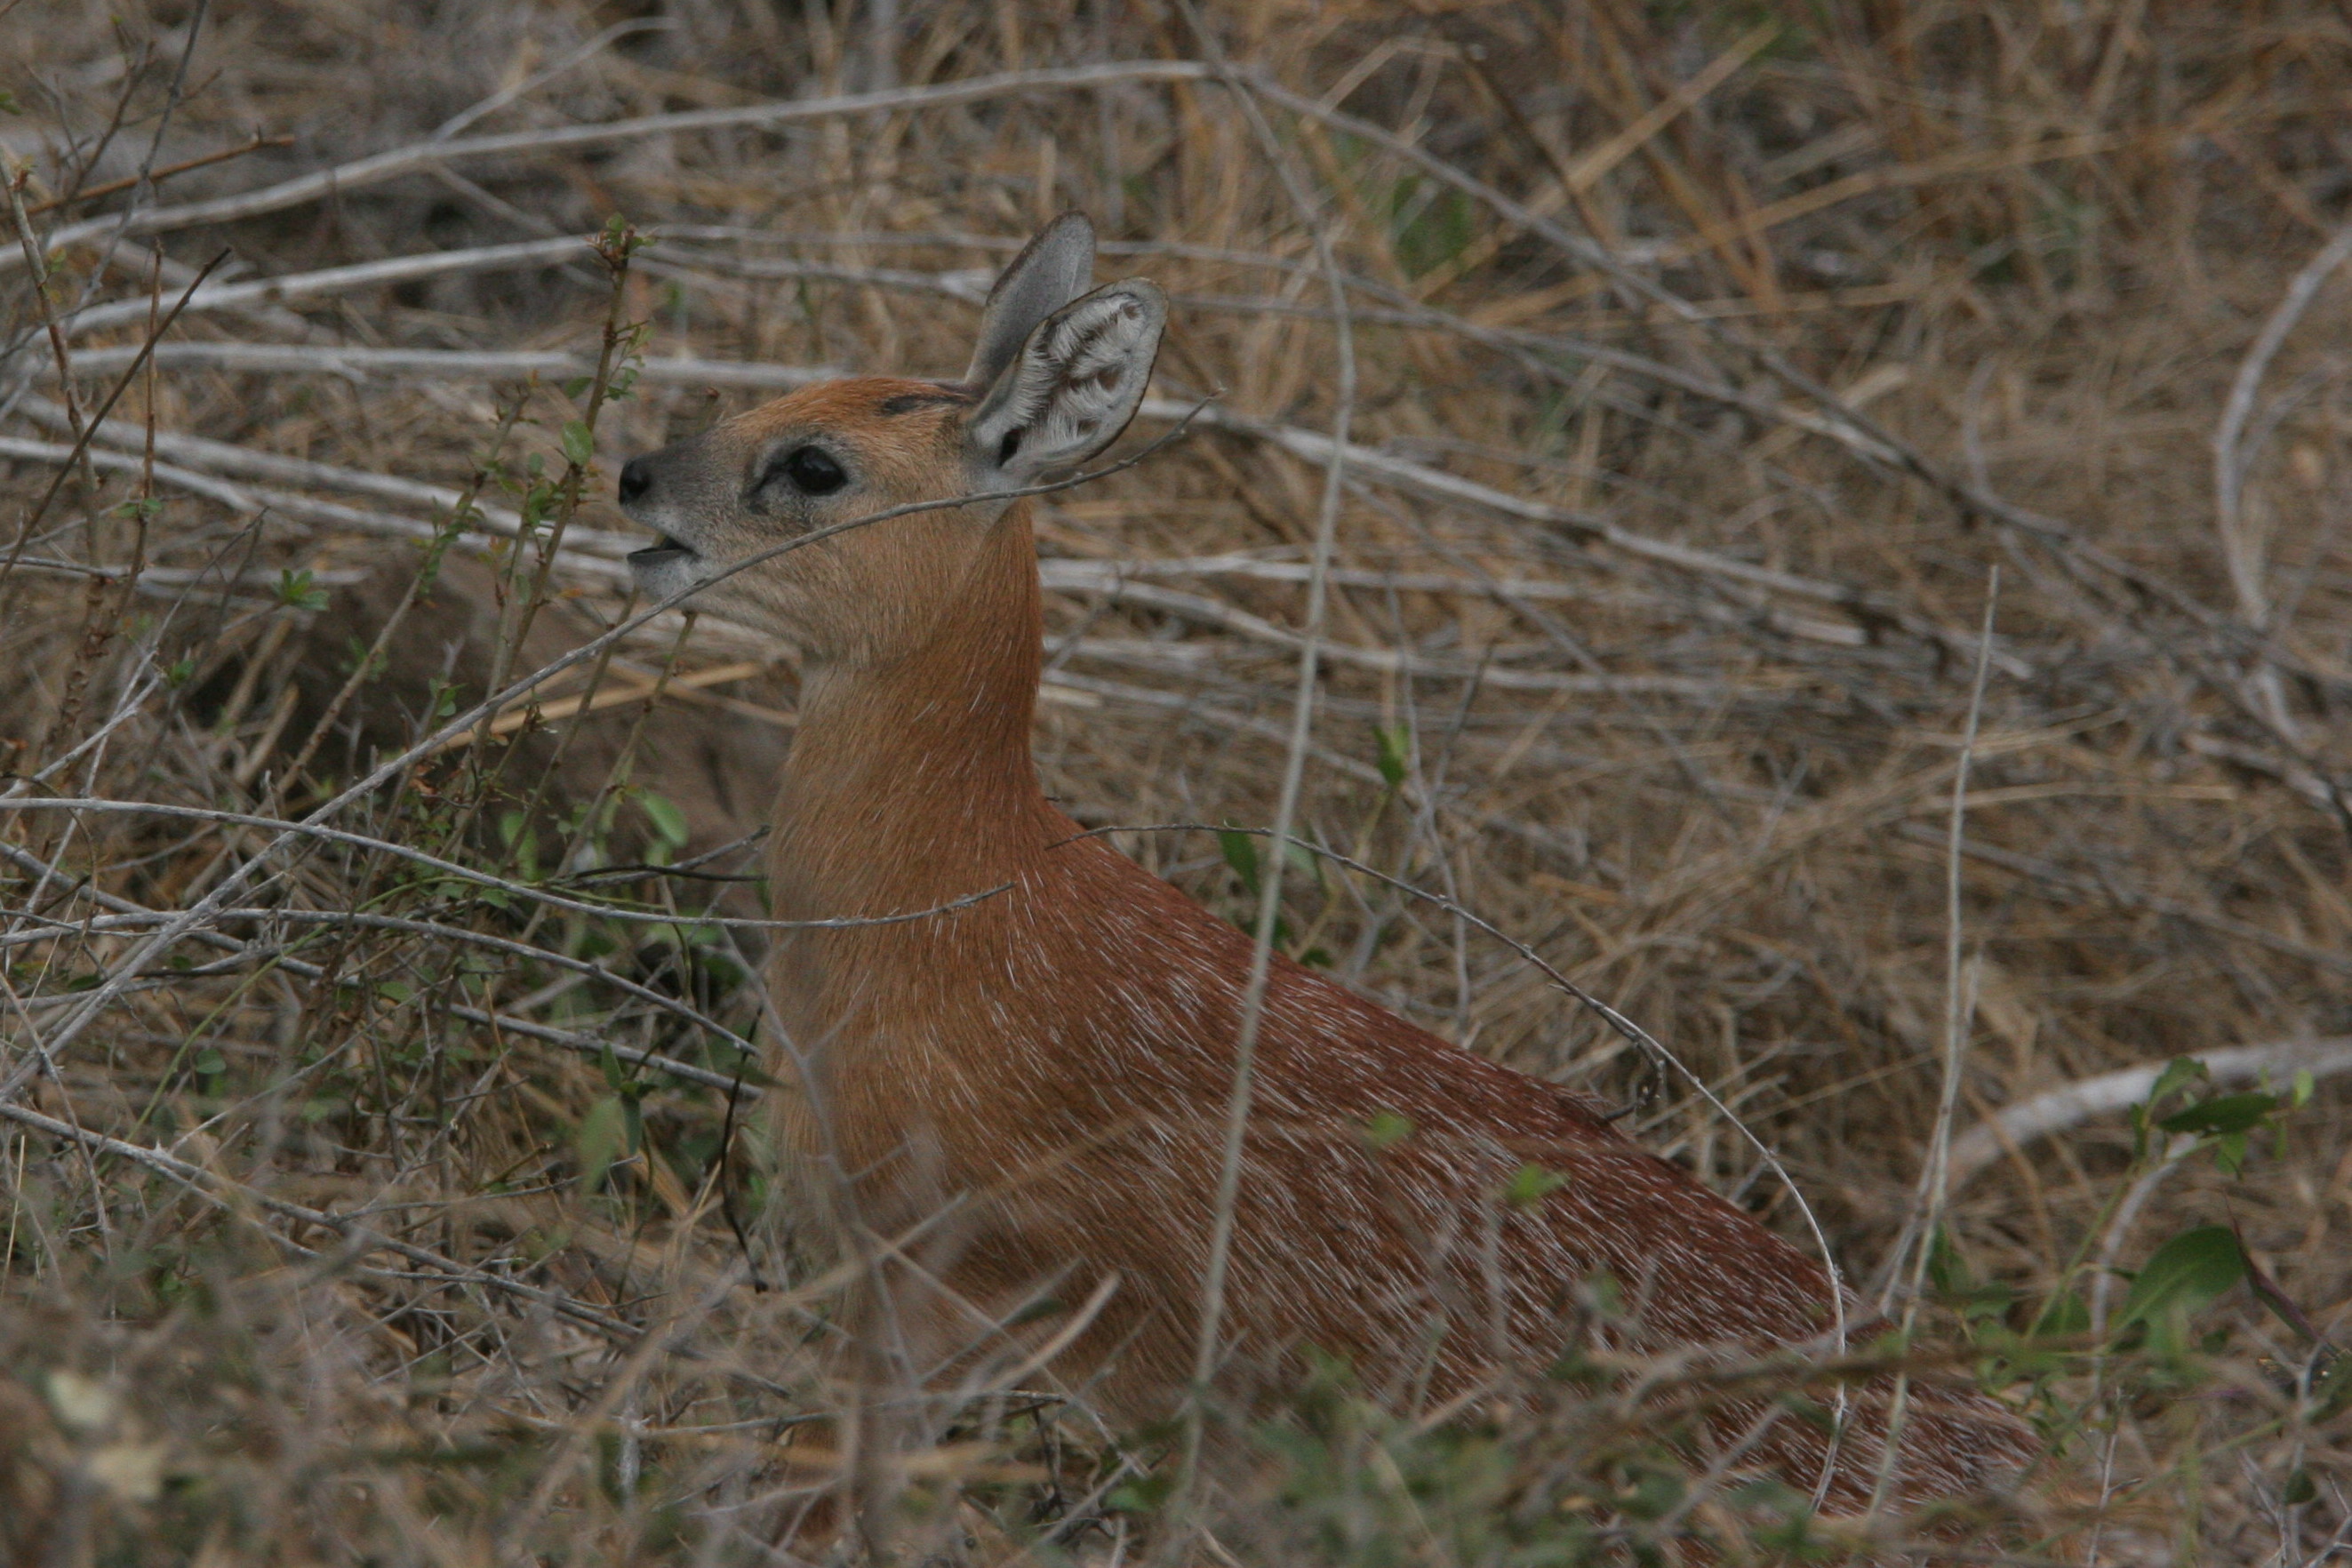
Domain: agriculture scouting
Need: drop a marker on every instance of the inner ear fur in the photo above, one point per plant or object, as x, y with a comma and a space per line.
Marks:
1075, 384
1055, 267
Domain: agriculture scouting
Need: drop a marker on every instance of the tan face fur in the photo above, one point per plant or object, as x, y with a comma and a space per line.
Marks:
825, 456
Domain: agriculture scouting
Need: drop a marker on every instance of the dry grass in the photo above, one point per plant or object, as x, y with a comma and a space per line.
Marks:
1651, 656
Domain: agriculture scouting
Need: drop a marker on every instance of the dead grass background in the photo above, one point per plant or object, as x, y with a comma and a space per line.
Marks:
1641, 651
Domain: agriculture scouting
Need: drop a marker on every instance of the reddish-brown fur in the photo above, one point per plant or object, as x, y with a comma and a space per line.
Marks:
1051, 1067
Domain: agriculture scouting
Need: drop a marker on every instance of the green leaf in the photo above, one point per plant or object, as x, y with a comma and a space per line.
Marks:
1653, 1495
573, 387
1433, 223
2177, 1074
603, 1135
1531, 1184
1396, 752
1303, 860
210, 1062
1241, 853
620, 241
669, 822
2064, 1317
1603, 1296
1387, 1129
579, 443
2185, 1275
295, 591
2229, 1113
1947, 1273
1142, 1495
8, 104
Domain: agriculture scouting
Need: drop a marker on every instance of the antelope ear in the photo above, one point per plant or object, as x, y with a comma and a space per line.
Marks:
1052, 269
1075, 384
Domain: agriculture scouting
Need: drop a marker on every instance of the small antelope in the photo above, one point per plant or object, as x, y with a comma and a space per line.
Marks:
1049, 1067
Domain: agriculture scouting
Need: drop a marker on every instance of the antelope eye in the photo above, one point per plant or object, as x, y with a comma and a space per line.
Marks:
812, 471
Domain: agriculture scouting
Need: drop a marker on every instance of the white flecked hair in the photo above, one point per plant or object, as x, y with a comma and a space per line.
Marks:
1075, 384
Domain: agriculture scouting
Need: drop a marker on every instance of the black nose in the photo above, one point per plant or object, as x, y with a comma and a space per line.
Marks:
636, 478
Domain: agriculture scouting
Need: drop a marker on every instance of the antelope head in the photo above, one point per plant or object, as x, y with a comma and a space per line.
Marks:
1056, 375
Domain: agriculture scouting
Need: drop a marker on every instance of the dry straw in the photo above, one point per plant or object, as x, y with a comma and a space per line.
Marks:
1583, 440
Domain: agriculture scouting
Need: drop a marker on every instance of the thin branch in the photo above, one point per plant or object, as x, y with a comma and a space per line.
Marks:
2071, 1105
225, 1194
1624, 1027
379, 167
2228, 453
308, 827
129, 182
1935, 1181
1869, 608
128, 969
1207, 1349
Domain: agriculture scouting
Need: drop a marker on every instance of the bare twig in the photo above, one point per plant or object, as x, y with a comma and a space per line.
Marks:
131, 182
2071, 1105
1208, 1343
1920, 1231
379, 167
226, 1193
1867, 607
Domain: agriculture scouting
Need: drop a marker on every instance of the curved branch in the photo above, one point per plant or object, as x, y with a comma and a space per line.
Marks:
379, 167
2063, 1107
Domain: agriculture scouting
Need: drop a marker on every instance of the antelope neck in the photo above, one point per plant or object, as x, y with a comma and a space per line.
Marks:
910, 781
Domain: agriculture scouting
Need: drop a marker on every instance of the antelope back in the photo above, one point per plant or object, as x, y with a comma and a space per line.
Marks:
1028, 1063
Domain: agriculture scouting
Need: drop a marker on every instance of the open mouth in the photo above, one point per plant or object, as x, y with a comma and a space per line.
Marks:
665, 549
